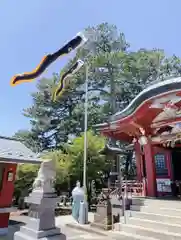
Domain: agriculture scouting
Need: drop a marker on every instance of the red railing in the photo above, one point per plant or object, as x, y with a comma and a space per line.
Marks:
131, 188
135, 188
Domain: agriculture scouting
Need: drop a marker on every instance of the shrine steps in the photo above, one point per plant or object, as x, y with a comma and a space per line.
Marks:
111, 235
160, 210
164, 207
157, 202
158, 219
146, 233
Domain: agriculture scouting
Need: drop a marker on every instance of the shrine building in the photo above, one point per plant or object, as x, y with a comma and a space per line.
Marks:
12, 153
152, 122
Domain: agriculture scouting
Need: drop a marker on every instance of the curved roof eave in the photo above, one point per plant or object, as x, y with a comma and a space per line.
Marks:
152, 91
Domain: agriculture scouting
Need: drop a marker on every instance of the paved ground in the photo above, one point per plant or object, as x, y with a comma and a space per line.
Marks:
61, 221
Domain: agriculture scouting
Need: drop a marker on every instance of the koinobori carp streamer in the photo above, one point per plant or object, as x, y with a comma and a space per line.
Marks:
73, 44
61, 86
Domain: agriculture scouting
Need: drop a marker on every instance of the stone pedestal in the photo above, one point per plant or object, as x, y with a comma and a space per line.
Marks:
103, 216
41, 224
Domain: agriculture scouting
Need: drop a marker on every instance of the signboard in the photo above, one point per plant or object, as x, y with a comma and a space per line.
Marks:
160, 165
163, 185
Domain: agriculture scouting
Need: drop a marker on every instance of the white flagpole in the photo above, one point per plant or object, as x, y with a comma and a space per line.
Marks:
83, 213
85, 131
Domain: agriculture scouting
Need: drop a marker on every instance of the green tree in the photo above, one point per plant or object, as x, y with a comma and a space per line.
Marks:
63, 169
96, 165
95, 162
25, 176
116, 76
119, 74
70, 163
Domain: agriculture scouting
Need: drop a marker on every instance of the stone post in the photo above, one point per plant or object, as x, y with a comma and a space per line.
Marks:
42, 202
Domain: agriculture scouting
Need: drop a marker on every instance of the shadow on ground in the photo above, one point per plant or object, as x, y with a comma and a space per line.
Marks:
14, 226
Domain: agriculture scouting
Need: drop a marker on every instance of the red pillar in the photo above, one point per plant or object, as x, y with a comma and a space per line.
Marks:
6, 194
150, 170
138, 156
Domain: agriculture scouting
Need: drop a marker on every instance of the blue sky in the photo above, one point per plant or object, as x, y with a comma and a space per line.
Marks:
31, 29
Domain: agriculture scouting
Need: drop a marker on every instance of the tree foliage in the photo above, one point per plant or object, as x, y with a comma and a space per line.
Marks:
116, 75
25, 176
69, 164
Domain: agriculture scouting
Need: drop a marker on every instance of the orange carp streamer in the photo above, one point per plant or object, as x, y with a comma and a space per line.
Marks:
61, 86
73, 44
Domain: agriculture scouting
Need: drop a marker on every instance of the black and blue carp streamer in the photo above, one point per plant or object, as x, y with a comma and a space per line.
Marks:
68, 74
73, 44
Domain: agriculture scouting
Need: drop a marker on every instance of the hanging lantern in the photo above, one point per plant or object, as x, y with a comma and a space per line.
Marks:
143, 140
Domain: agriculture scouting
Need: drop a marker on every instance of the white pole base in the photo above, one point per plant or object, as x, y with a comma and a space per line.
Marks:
83, 213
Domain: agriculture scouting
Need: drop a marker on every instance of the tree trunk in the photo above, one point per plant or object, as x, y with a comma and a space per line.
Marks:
112, 94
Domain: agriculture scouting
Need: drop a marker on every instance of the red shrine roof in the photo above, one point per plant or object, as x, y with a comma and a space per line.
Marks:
155, 112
